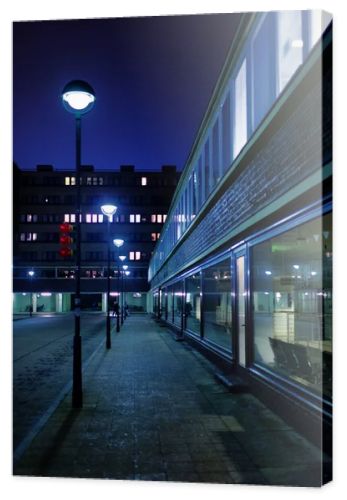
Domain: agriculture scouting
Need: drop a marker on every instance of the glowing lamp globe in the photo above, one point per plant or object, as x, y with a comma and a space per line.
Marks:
118, 242
78, 97
109, 210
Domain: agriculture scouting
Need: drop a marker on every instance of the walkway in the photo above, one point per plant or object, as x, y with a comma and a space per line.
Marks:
153, 410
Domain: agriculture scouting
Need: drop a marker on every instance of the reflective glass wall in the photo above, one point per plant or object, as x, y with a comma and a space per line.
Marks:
193, 303
217, 309
292, 303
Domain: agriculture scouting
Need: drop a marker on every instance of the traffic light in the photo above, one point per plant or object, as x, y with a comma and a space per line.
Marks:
65, 240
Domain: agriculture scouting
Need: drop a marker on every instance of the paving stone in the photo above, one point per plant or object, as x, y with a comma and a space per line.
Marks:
153, 411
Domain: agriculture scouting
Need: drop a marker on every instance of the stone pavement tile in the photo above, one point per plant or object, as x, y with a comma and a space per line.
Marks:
278, 448
183, 476
309, 475
216, 477
153, 411
254, 477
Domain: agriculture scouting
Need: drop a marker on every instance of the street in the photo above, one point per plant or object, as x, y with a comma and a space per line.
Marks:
42, 363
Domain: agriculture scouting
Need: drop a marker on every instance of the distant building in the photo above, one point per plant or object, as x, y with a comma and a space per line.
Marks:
45, 198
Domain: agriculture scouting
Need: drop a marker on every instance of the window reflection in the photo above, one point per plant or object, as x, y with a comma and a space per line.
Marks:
292, 303
178, 297
217, 303
193, 303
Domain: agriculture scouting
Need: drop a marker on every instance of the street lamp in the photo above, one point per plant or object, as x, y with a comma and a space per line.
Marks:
108, 211
122, 259
31, 274
78, 98
118, 243
127, 273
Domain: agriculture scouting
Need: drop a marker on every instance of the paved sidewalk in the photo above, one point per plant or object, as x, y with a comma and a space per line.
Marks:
153, 410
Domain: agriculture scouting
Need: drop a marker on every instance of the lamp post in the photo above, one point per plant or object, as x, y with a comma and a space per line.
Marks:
108, 211
31, 274
118, 243
127, 273
78, 98
122, 259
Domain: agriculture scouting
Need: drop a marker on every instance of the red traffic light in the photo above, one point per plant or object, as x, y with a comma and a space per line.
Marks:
65, 228
65, 252
65, 240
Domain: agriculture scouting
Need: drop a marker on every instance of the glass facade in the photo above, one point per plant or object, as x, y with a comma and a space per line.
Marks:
286, 306
217, 308
292, 304
193, 303
178, 303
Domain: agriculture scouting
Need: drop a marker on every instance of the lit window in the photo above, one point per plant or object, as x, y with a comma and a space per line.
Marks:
89, 181
72, 217
131, 255
159, 218
240, 110
101, 181
95, 181
88, 218
143, 181
138, 218
101, 218
164, 217
34, 236
29, 218
67, 218
153, 218
131, 218
137, 255
290, 45
94, 217
67, 181
153, 237
73, 181
22, 236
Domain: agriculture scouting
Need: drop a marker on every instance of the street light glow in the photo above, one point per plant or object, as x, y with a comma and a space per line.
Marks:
31, 273
127, 273
78, 97
118, 242
78, 100
108, 210
125, 268
122, 258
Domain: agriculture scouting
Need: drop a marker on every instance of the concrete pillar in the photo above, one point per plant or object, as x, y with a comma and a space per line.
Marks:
34, 302
104, 303
58, 302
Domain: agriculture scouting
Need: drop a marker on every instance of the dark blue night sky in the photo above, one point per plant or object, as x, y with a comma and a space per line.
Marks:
153, 78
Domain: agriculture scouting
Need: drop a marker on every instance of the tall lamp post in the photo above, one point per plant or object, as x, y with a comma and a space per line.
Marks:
122, 259
31, 274
78, 98
125, 267
118, 243
108, 211
127, 273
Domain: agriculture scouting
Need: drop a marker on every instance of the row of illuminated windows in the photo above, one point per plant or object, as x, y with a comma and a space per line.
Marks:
289, 310
90, 255
113, 179
96, 181
53, 237
59, 272
276, 47
92, 218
